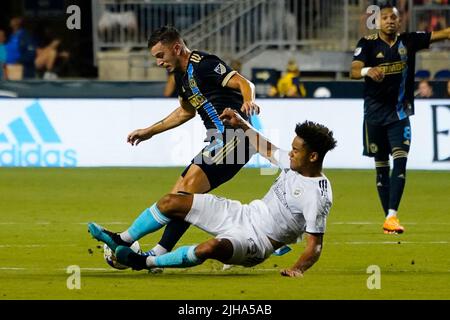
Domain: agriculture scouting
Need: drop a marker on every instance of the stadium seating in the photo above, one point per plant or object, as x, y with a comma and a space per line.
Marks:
443, 74
423, 74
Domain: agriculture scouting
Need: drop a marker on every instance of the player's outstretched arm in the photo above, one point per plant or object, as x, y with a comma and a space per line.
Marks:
262, 145
308, 258
247, 89
179, 116
440, 35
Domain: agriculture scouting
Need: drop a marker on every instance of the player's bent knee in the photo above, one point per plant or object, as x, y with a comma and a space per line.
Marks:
195, 181
190, 184
219, 249
167, 204
175, 205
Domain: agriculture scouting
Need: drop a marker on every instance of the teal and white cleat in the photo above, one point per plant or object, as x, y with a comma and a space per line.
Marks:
128, 257
111, 239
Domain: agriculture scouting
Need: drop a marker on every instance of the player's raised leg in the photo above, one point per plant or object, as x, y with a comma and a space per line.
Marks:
176, 207
194, 180
150, 220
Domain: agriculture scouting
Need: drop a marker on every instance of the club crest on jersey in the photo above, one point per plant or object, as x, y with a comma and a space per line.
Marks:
373, 148
297, 193
192, 83
357, 51
220, 69
402, 51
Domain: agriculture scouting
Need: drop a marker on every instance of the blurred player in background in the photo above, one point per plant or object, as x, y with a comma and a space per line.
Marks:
386, 61
299, 201
206, 85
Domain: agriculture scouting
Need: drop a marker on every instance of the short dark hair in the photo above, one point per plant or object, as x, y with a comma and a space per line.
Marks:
317, 137
386, 5
166, 34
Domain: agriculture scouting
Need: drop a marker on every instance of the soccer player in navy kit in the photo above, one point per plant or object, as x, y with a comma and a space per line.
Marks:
386, 61
206, 85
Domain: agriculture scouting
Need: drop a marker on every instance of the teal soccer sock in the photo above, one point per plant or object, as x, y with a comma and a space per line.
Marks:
150, 220
180, 258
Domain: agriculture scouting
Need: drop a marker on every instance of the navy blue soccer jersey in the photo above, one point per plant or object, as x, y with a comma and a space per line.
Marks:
203, 85
393, 98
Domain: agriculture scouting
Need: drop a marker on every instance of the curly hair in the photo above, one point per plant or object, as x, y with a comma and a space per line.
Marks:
317, 137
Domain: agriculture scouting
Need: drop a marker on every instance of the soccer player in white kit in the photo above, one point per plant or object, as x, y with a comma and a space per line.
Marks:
298, 202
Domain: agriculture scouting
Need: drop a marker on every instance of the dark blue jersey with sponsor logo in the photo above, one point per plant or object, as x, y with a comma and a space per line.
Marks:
203, 85
393, 98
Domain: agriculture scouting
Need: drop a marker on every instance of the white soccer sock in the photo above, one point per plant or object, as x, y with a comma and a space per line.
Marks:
391, 213
125, 236
159, 250
150, 262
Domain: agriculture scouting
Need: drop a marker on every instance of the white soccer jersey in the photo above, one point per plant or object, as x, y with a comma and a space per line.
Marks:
295, 204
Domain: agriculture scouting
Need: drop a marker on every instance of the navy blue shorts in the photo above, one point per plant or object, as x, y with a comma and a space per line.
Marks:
379, 141
220, 160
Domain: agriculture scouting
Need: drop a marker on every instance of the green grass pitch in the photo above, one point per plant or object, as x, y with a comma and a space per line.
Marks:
43, 216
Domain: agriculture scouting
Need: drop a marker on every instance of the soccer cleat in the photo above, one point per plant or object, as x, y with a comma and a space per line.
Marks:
153, 254
392, 226
111, 239
130, 258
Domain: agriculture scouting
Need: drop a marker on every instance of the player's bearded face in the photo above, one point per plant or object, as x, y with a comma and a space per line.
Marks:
390, 21
166, 56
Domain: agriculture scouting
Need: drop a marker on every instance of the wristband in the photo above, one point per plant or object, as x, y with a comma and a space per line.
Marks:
364, 71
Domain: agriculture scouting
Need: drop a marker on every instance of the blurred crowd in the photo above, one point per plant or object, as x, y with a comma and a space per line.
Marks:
22, 56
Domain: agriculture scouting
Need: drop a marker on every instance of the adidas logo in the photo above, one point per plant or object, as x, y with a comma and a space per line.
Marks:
380, 55
26, 143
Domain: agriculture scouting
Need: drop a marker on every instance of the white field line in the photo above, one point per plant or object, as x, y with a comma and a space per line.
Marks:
128, 223
232, 270
109, 269
388, 242
58, 269
48, 222
173, 271
2, 246
370, 223
36, 245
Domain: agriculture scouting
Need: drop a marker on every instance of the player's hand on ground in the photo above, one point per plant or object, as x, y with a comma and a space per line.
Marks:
376, 74
293, 273
250, 108
137, 136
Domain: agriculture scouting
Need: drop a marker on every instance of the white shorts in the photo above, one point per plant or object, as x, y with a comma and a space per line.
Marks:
232, 220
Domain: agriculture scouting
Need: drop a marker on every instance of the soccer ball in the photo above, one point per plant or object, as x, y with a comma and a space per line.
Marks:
111, 258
